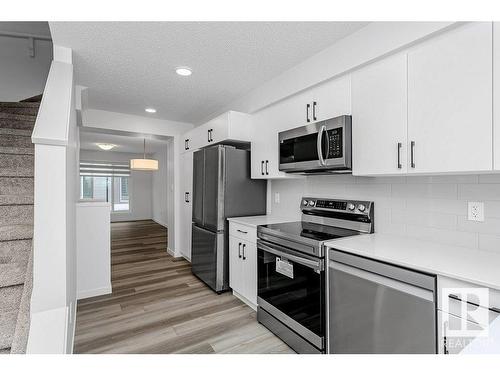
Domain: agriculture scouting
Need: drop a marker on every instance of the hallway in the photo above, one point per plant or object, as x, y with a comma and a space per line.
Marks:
158, 306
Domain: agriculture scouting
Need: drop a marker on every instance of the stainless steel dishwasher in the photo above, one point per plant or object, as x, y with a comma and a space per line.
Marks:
375, 307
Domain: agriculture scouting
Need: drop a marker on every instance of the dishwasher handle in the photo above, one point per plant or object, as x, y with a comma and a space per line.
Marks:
385, 281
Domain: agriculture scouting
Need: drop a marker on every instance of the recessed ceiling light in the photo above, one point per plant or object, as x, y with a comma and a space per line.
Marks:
150, 110
183, 71
106, 146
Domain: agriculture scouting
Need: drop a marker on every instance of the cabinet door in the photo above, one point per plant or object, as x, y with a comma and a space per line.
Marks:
218, 128
249, 264
235, 265
450, 101
379, 117
186, 203
333, 98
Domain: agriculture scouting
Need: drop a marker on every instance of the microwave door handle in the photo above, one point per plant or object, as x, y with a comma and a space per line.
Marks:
318, 145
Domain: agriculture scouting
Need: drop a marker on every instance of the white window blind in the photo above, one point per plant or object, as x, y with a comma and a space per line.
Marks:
104, 169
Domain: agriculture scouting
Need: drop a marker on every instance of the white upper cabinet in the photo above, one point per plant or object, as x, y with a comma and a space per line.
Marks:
379, 117
230, 126
450, 102
496, 96
327, 100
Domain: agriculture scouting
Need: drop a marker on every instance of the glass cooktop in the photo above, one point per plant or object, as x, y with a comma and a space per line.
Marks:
312, 231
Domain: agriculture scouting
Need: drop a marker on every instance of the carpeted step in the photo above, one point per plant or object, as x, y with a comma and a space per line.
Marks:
15, 251
16, 144
16, 232
8, 131
17, 117
16, 165
30, 109
21, 333
8, 200
8, 321
11, 298
16, 185
16, 214
11, 274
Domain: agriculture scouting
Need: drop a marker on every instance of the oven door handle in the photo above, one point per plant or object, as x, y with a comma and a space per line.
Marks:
319, 143
314, 264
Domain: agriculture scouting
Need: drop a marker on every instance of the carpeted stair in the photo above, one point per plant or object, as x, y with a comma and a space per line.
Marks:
16, 222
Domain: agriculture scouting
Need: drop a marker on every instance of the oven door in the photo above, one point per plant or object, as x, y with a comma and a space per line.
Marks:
317, 147
291, 287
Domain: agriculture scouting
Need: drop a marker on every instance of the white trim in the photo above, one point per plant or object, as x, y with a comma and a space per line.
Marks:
171, 252
72, 338
160, 222
94, 292
245, 300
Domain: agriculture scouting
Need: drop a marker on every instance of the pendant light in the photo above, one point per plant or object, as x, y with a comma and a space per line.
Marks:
144, 164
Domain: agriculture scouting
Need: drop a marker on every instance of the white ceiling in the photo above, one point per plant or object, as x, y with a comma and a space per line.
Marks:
131, 65
129, 144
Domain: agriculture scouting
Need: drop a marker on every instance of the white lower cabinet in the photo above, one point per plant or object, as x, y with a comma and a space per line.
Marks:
243, 268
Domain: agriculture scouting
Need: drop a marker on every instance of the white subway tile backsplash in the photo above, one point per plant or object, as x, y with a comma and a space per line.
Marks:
480, 192
428, 207
445, 191
489, 242
488, 226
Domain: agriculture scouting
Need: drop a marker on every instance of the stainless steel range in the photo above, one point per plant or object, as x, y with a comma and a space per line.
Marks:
291, 287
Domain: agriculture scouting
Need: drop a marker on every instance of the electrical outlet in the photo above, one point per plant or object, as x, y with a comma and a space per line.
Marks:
475, 211
276, 197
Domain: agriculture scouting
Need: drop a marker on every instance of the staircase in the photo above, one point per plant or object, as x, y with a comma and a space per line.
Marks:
16, 222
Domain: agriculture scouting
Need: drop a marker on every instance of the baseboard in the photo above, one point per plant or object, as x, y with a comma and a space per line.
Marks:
244, 300
160, 222
72, 339
93, 292
170, 251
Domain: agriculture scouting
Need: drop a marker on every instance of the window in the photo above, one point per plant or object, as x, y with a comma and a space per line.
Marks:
107, 182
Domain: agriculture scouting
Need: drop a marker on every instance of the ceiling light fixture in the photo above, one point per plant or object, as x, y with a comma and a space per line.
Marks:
183, 71
106, 146
144, 164
150, 110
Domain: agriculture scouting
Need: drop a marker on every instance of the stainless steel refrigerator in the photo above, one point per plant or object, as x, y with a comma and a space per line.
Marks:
222, 188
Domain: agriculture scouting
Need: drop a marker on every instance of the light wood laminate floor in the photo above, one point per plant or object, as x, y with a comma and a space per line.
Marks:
159, 306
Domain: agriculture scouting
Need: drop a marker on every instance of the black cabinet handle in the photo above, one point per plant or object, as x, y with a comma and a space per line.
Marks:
239, 250
244, 257
307, 112
267, 167
412, 153
186, 197
262, 167
399, 155
210, 135
314, 111
241, 231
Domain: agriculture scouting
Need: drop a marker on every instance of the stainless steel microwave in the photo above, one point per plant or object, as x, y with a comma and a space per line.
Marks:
322, 147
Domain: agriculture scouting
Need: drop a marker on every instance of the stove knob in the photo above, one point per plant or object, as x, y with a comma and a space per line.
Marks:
361, 207
311, 203
351, 207
305, 203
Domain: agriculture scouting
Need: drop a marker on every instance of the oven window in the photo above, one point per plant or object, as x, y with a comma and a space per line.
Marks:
301, 297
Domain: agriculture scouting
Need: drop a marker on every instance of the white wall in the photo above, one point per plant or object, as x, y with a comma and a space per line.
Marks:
141, 192
432, 208
160, 188
22, 76
172, 182
93, 249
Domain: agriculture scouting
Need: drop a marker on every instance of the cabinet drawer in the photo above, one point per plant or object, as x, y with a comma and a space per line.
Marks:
243, 232
454, 305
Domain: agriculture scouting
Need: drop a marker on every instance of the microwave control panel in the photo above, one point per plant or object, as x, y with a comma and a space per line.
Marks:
335, 143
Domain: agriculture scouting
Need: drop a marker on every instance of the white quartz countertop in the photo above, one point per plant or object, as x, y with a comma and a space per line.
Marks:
254, 221
471, 265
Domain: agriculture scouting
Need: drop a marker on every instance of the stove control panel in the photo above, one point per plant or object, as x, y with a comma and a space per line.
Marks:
339, 205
